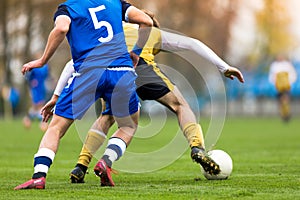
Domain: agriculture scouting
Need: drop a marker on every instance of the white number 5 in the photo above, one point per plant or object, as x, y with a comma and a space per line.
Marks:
100, 24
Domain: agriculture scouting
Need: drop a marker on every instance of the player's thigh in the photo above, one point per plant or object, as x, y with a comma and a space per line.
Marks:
173, 99
152, 83
121, 98
60, 124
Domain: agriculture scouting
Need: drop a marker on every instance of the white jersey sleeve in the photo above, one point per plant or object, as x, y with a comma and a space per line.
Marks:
174, 42
64, 77
126, 13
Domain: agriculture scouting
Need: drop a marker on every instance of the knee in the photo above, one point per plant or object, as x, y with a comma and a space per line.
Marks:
56, 130
59, 126
177, 106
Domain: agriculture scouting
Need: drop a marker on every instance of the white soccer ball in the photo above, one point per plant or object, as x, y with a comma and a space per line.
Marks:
224, 161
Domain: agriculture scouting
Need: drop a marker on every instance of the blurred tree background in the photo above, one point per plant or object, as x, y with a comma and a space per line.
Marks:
209, 21
273, 29
25, 25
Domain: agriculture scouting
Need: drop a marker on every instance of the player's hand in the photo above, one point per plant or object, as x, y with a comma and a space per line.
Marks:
47, 110
234, 72
135, 58
30, 65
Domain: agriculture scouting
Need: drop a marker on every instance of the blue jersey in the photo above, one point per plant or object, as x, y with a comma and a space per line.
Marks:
96, 34
36, 78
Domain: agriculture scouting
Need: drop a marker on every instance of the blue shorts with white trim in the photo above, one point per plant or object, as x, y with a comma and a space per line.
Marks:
115, 85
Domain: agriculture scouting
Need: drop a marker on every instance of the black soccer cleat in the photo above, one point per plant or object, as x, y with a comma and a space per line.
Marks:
209, 165
77, 175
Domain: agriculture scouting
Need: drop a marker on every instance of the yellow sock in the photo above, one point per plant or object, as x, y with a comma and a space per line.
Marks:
285, 110
194, 135
92, 143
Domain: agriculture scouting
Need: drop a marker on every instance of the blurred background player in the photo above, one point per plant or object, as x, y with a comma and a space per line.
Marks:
36, 80
12, 97
152, 84
282, 74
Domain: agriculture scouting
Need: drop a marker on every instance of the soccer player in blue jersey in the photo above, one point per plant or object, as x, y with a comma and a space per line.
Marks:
36, 79
103, 69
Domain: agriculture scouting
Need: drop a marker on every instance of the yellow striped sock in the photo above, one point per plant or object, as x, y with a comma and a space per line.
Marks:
92, 143
194, 135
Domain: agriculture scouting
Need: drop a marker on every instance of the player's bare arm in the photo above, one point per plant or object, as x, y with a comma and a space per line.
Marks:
56, 36
137, 16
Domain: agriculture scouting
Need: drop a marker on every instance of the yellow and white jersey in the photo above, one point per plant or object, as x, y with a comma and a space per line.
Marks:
171, 42
151, 48
282, 75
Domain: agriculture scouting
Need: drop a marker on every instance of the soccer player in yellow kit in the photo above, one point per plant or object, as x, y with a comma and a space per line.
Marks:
283, 74
152, 84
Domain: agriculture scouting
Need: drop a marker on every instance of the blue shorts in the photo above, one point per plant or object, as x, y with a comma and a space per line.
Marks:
115, 85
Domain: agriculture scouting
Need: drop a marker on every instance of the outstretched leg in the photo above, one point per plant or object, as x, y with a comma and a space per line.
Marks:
190, 128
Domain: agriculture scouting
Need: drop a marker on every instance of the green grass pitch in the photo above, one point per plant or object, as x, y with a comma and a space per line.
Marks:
265, 153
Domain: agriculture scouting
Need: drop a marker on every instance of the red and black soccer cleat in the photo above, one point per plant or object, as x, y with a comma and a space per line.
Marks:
104, 172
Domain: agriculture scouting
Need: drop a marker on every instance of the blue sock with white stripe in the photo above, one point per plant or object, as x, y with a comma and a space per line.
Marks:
42, 162
114, 150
